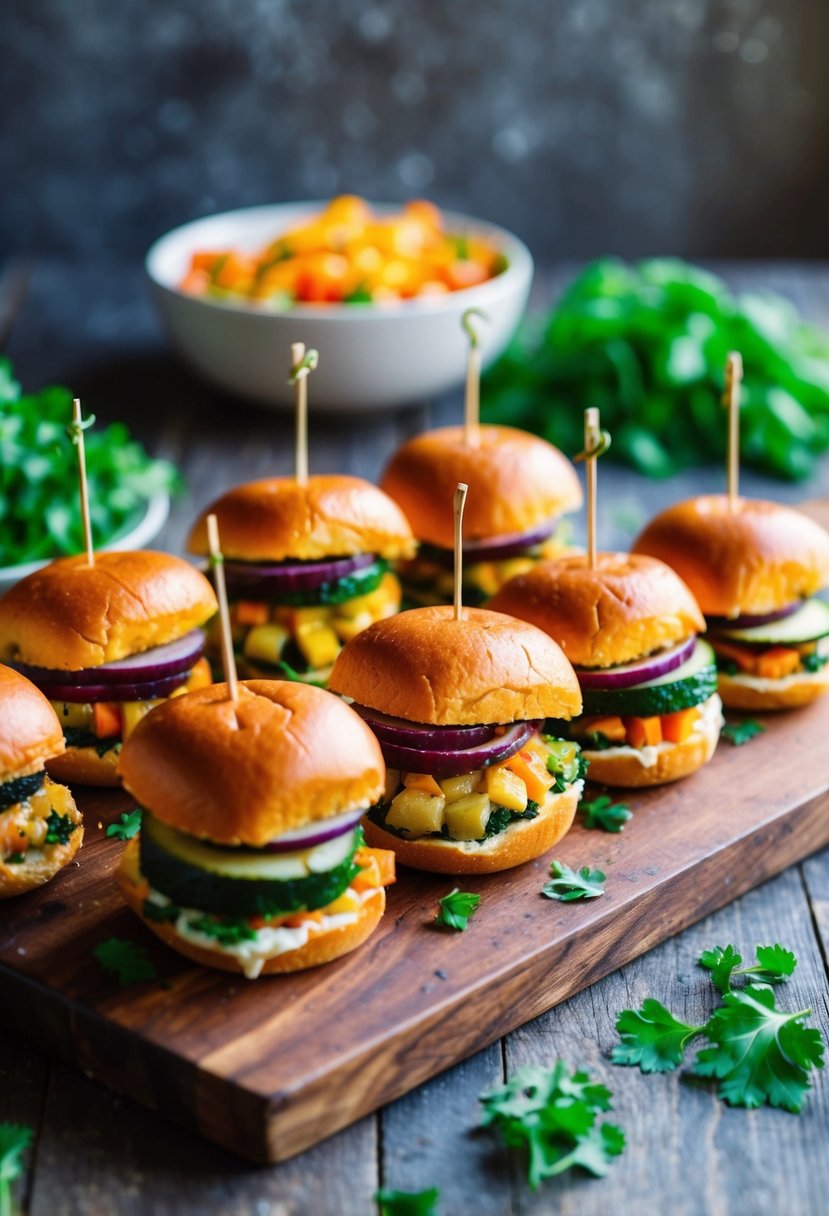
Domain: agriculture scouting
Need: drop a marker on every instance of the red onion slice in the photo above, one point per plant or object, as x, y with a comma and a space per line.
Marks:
453, 763
417, 734
156, 664
751, 621
628, 674
497, 548
148, 691
275, 578
312, 834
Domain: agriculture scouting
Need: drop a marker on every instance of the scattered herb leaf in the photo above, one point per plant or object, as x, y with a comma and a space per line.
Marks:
407, 1203
126, 960
129, 825
652, 1038
739, 733
568, 885
774, 965
606, 814
457, 908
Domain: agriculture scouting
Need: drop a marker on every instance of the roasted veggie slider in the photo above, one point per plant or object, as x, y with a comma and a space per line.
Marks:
250, 856
754, 571
519, 485
40, 826
106, 644
629, 626
457, 705
306, 566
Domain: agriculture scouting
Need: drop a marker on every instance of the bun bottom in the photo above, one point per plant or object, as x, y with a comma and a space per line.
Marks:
616, 766
521, 841
83, 766
738, 692
40, 867
322, 947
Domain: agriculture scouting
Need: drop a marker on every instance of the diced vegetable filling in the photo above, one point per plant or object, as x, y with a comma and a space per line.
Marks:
771, 662
44, 818
478, 805
611, 730
428, 578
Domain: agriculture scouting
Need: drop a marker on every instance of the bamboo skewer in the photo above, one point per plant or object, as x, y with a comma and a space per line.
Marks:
472, 396
217, 566
731, 400
596, 443
76, 432
302, 364
460, 502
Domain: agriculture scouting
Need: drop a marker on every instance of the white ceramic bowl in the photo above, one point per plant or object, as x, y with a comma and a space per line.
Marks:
371, 357
145, 531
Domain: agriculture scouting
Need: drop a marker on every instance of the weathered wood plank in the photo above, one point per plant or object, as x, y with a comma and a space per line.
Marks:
816, 879
687, 1151
24, 1081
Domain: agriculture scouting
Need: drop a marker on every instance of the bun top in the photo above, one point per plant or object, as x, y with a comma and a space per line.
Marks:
285, 755
626, 608
29, 728
754, 559
329, 516
516, 482
425, 666
69, 615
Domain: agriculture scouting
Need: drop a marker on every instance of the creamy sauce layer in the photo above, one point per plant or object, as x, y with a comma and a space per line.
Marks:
708, 725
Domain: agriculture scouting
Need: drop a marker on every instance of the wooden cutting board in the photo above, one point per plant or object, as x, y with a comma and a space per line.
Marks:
270, 1067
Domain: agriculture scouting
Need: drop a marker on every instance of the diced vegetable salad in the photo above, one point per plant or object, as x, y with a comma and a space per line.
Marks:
348, 255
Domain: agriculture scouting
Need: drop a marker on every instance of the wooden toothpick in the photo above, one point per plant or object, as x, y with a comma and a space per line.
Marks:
76, 431
731, 400
596, 443
217, 566
302, 364
460, 501
472, 399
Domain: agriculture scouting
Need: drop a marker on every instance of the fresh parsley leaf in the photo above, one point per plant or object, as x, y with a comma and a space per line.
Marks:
59, 828
129, 825
407, 1203
15, 1139
774, 965
552, 1115
457, 908
226, 932
568, 885
814, 662
759, 1054
739, 733
126, 960
652, 1038
606, 814
720, 961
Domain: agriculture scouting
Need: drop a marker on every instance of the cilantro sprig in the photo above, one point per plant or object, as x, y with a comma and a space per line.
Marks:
757, 1053
15, 1139
553, 1115
457, 908
605, 814
407, 1203
128, 826
126, 960
738, 733
568, 885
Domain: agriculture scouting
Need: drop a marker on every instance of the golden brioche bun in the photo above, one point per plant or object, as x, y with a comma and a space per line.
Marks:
617, 766
516, 482
69, 615
328, 516
285, 755
425, 666
83, 766
29, 728
754, 559
739, 692
521, 841
41, 865
322, 947
625, 608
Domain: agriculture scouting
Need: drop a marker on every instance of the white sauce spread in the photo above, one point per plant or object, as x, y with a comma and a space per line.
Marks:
708, 724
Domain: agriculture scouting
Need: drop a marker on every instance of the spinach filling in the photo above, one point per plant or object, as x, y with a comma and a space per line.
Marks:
20, 788
59, 828
78, 736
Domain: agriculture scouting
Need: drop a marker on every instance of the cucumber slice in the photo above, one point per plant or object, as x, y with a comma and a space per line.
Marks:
806, 625
171, 864
691, 684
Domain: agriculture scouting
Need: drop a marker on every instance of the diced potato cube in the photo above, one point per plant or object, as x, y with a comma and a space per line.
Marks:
314, 613
422, 781
458, 787
347, 628
384, 600
483, 576
467, 818
392, 784
132, 712
319, 643
265, 642
416, 813
73, 713
505, 788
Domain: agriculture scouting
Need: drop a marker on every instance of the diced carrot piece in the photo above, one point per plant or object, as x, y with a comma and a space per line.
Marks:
532, 770
424, 211
195, 283
106, 719
205, 259
422, 781
777, 662
12, 840
677, 727
643, 732
250, 612
743, 656
613, 728
383, 859
200, 675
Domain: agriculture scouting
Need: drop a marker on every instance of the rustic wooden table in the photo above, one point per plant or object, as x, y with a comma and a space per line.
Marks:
91, 326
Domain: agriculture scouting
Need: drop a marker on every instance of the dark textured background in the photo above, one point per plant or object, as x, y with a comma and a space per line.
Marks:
691, 126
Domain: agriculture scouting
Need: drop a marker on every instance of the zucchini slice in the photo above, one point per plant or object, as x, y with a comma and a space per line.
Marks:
808, 624
691, 684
